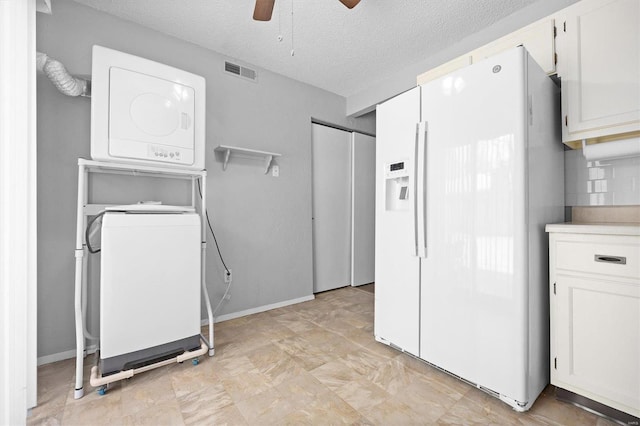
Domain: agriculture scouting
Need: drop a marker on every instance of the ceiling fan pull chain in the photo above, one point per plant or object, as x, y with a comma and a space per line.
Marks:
280, 38
293, 52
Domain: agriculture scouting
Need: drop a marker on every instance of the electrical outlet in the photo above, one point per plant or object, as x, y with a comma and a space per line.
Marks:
275, 171
227, 276
228, 296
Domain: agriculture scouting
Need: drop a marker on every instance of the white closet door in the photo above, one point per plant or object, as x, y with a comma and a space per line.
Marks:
363, 218
331, 185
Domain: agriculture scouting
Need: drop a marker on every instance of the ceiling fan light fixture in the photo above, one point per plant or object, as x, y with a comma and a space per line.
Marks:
350, 3
263, 10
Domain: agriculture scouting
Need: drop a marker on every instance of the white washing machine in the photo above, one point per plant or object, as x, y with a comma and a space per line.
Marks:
149, 285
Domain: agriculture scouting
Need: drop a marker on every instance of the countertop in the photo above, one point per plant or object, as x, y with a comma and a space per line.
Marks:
632, 229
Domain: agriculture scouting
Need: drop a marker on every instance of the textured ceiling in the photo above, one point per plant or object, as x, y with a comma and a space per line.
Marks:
343, 51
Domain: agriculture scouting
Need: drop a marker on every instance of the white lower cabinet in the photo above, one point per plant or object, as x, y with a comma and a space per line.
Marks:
595, 313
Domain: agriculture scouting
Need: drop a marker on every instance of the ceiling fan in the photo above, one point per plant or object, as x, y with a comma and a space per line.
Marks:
264, 8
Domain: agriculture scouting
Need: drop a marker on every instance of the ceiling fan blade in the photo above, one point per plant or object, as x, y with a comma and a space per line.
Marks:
350, 3
263, 10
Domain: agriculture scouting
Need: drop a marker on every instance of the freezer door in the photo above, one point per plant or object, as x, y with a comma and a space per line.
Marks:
473, 294
397, 275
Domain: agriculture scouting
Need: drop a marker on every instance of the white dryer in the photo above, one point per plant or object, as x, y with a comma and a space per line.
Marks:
149, 285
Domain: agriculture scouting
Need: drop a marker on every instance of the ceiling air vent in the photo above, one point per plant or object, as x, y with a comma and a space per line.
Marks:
248, 73
232, 68
240, 71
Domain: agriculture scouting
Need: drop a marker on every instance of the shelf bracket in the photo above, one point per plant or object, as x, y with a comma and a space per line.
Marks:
267, 163
227, 155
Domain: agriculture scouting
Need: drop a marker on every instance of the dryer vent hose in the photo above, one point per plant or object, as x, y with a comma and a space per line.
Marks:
60, 77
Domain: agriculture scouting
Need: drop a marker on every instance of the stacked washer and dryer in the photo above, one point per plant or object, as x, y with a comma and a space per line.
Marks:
149, 118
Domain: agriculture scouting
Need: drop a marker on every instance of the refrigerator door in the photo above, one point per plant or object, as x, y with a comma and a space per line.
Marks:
397, 295
473, 293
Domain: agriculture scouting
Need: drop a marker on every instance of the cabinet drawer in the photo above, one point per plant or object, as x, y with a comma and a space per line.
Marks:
600, 258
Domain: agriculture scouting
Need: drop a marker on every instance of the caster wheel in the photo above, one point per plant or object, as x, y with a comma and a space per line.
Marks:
102, 391
195, 361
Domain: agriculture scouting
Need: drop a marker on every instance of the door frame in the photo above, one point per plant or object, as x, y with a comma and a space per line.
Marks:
351, 174
18, 220
356, 244
342, 265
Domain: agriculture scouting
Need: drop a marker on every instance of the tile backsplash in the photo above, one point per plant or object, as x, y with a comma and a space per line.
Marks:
602, 182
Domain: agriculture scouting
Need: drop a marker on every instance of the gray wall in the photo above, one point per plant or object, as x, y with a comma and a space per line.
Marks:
263, 224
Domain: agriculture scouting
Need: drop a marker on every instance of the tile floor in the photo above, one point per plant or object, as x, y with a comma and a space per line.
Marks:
311, 363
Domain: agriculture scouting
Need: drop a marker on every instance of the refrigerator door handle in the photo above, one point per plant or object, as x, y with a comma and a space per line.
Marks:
415, 190
420, 207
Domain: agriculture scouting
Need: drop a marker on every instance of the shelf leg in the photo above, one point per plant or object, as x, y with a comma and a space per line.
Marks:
205, 293
79, 255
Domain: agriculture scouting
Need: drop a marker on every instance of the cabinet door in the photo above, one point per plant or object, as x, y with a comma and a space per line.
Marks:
597, 340
600, 83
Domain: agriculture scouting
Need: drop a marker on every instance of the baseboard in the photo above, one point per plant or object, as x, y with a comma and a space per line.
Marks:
60, 356
259, 309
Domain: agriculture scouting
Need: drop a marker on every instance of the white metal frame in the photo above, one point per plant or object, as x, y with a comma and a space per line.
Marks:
84, 209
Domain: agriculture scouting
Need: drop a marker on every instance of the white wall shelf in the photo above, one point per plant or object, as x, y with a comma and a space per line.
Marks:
246, 152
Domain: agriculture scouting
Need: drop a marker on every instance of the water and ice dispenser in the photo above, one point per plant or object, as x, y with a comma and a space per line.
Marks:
397, 186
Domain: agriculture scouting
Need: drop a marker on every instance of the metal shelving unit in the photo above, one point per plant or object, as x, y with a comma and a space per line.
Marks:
86, 209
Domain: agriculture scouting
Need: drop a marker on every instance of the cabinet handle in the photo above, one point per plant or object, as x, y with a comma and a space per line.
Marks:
620, 260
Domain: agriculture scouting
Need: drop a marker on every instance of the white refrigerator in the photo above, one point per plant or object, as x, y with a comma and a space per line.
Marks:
469, 170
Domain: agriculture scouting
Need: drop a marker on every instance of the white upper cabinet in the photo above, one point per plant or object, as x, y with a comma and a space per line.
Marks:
444, 69
538, 38
599, 66
594, 47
